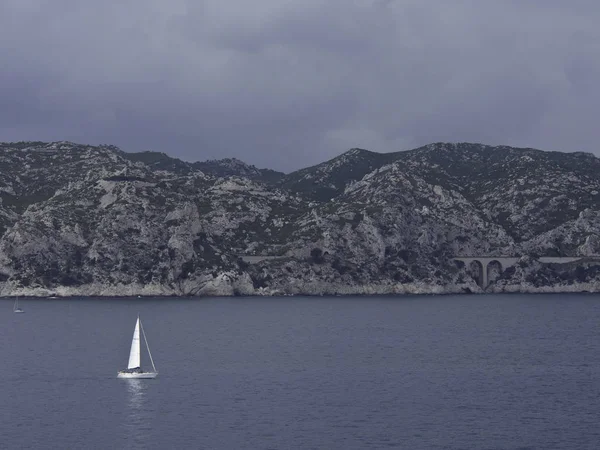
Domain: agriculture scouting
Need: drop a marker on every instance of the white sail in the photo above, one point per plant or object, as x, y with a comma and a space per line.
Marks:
134, 353
134, 369
16, 306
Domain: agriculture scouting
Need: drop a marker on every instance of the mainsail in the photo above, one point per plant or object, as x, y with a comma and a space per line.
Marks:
134, 353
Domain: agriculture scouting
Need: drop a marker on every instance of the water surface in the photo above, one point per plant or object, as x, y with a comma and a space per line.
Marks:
426, 372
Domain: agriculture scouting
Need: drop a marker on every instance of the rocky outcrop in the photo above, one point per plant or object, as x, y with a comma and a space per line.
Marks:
85, 220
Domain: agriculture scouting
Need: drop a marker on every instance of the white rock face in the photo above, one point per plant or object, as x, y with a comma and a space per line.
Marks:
80, 220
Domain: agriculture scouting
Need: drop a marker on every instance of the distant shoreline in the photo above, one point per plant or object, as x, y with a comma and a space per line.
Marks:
282, 296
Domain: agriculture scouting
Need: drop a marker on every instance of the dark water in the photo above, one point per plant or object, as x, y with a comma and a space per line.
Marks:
464, 372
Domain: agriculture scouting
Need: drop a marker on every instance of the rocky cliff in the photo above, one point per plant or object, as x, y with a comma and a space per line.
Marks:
85, 220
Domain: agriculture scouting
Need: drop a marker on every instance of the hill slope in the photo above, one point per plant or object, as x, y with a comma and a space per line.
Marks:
85, 220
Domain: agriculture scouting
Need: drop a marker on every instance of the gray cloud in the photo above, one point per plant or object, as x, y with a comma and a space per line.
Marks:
285, 84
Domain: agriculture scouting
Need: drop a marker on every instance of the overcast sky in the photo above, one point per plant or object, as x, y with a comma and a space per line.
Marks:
289, 83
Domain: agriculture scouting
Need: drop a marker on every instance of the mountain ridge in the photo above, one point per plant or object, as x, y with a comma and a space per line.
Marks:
95, 220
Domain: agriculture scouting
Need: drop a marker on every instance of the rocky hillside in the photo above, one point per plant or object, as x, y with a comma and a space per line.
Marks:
85, 220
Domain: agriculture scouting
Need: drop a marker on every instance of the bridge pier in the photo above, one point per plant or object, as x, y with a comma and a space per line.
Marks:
484, 275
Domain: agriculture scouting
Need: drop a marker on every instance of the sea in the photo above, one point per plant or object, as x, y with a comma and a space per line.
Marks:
399, 372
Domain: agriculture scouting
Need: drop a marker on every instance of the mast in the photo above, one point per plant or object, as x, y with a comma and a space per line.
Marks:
148, 348
134, 353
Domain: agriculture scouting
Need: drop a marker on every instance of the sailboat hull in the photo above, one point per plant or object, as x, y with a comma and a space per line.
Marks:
137, 375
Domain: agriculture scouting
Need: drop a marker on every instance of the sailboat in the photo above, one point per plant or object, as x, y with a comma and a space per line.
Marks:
16, 308
134, 369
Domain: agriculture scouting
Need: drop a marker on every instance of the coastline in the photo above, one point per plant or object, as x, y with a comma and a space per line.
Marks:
314, 289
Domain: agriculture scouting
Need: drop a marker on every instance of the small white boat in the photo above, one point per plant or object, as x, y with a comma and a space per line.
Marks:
134, 369
16, 308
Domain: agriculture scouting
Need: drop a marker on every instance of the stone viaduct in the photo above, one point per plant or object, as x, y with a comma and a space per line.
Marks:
505, 262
